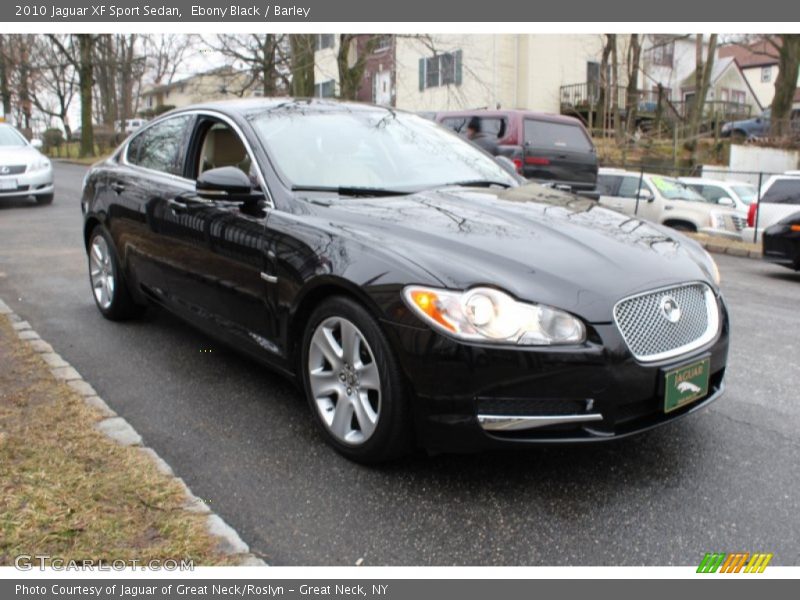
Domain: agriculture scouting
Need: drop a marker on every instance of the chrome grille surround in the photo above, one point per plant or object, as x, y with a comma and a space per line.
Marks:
651, 337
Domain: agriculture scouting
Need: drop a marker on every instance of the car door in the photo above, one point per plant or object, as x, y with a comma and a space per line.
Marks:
218, 247
148, 170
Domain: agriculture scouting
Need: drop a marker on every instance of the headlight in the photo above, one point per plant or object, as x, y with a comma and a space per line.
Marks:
488, 315
39, 165
714, 269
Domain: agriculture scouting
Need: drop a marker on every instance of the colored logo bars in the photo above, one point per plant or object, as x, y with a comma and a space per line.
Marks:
734, 563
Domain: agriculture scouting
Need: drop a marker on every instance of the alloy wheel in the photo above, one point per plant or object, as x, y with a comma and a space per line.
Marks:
344, 380
101, 272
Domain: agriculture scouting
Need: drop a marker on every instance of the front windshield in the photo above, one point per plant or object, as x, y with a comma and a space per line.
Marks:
672, 189
9, 137
746, 193
361, 148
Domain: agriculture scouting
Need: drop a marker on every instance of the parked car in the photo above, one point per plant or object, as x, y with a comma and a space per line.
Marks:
666, 201
130, 125
781, 242
411, 286
757, 126
75, 135
24, 171
716, 191
543, 147
780, 197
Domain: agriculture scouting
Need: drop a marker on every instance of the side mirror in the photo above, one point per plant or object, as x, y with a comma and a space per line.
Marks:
646, 195
36, 143
725, 201
224, 183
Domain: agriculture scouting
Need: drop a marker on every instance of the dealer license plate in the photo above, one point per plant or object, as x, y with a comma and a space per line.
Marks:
686, 384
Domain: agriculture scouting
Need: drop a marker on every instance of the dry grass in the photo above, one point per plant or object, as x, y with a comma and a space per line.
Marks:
68, 491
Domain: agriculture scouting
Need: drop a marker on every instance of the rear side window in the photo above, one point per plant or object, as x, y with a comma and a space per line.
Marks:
494, 126
607, 185
783, 191
557, 136
162, 146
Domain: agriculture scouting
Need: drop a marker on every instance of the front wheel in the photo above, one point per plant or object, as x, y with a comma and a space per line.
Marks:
110, 291
44, 199
353, 384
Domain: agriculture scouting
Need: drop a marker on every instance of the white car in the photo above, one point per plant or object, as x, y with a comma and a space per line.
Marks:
24, 171
780, 197
130, 125
740, 194
667, 201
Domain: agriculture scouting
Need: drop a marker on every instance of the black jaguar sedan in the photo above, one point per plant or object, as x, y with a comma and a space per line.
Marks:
418, 291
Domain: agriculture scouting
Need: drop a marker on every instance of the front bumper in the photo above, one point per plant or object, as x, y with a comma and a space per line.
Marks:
27, 184
471, 397
781, 246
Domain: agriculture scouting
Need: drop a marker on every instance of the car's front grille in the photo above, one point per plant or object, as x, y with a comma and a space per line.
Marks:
13, 169
668, 322
738, 222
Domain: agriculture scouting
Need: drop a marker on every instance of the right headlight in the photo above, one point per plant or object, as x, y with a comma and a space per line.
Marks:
484, 314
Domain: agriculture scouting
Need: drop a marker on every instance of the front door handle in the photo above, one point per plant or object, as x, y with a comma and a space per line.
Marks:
177, 206
118, 186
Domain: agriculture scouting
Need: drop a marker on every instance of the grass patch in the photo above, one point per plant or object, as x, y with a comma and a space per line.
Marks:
68, 491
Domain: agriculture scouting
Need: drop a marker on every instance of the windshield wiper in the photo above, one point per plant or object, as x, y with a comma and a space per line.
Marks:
478, 183
345, 190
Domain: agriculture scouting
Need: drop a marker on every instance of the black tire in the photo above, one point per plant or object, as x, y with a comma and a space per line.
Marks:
393, 434
44, 199
122, 306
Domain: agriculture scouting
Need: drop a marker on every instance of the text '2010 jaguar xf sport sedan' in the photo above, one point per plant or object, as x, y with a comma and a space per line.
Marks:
416, 290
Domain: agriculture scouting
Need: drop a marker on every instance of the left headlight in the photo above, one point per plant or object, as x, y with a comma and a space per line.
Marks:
40, 164
485, 314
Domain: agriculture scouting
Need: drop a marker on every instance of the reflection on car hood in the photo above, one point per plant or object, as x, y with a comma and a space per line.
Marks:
538, 244
17, 155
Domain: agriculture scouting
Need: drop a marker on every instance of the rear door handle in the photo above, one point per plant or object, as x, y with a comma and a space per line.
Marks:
118, 187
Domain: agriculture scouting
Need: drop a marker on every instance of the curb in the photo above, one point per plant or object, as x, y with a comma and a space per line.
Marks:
719, 247
121, 432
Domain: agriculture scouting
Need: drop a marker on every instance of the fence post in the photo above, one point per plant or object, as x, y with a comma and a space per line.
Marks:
758, 208
639, 189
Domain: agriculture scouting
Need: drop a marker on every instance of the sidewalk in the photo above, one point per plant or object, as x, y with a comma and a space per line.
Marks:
75, 482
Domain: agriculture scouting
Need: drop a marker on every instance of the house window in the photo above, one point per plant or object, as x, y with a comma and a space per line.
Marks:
738, 97
383, 42
766, 74
324, 40
439, 70
724, 95
662, 53
326, 89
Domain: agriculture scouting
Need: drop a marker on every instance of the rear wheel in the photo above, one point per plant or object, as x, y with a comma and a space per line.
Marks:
352, 383
109, 288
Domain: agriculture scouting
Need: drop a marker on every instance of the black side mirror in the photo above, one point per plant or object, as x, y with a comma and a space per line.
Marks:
224, 183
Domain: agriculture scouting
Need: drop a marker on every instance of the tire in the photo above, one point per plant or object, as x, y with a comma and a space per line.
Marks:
354, 389
109, 288
44, 199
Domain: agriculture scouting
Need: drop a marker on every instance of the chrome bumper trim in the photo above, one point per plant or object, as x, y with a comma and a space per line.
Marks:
512, 423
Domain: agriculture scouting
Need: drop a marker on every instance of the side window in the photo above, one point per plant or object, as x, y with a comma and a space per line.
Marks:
783, 191
221, 146
712, 193
162, 146
560, 136
628, 187
457, 124
494, 126
607, 185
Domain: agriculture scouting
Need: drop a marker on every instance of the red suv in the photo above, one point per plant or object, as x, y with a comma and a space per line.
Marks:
544, 147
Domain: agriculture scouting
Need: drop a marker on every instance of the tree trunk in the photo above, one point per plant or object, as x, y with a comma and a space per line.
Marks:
703, 79
351, 68
785, 85
5, 68
86, 81
632, 95
302, 65
615, 91
602, 96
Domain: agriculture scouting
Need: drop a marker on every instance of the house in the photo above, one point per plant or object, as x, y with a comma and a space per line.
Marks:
758, 61
729, 95
217, 84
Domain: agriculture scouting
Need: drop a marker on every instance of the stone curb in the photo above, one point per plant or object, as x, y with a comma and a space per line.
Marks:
121, 432
719, 247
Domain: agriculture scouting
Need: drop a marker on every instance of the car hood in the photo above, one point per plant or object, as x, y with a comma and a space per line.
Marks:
17, 155
538, 244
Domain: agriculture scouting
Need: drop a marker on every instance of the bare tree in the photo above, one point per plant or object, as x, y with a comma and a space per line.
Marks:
259, 61
55, 81
351, 62
632, 95
302, 61
787, 47
6, 67
702, 83
166, 54
79, 51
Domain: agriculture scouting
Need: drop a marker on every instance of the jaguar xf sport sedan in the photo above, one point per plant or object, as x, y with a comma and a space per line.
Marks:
419, 293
